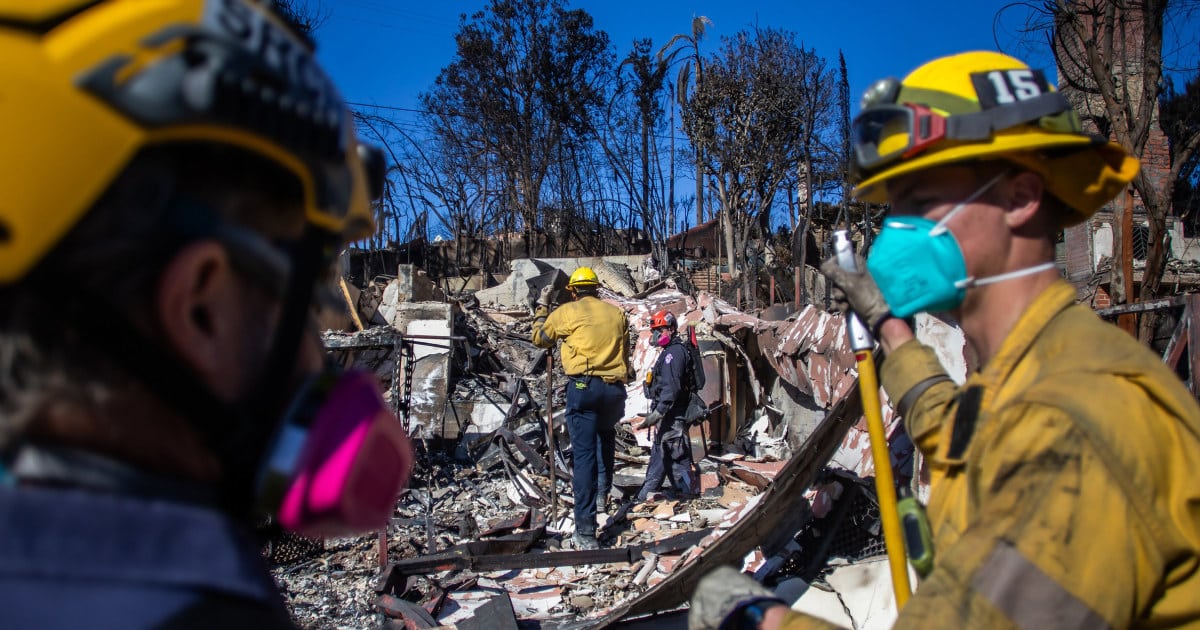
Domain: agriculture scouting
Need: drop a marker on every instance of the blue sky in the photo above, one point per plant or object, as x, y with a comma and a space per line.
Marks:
386, 52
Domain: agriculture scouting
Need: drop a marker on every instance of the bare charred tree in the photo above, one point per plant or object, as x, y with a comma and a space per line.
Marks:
630, 137
843, 96
521, 90
764, 107
687, 45
1180, 115
304, 16
437, 179
1110, 59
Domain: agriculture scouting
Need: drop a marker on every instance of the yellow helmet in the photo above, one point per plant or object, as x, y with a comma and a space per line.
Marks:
583, 277
983, 105
88, 84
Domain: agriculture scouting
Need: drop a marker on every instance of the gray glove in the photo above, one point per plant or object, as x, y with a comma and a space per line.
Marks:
722, 593
652, 418
856, 291
545, 295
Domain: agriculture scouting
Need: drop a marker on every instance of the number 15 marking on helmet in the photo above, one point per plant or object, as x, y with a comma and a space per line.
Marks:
1014, 85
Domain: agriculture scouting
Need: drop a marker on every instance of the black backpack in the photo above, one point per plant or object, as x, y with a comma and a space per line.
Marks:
696, 364
697, 409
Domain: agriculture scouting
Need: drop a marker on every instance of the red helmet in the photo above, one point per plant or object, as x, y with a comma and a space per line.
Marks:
663, 319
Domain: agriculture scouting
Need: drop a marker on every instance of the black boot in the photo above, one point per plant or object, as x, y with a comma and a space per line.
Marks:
585, 541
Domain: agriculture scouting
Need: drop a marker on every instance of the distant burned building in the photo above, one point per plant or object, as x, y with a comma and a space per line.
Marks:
700, 242
1086, 253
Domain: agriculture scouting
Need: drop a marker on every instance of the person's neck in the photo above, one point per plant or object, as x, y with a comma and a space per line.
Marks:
991, 312
135, 428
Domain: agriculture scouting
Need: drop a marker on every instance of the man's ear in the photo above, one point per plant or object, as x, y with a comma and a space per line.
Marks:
197, 307
1025, 199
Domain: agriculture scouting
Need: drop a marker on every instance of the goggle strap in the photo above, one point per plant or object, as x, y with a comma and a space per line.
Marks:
981, 125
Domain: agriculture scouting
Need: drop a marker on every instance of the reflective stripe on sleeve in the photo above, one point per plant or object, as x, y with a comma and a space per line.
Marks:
1029, 597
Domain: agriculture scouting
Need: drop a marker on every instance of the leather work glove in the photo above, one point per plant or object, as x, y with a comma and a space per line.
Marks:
652, 418
545, 295
720, 594
856, 291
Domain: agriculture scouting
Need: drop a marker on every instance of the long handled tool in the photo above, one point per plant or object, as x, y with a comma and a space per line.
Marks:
553, 452
868, 384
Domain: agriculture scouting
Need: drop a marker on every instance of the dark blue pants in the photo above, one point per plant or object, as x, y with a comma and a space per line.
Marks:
593, 410
671, 450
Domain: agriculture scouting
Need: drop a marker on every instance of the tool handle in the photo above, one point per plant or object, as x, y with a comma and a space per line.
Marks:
843, 248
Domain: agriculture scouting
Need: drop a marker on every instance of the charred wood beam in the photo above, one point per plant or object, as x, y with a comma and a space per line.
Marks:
528, 489
529, 519
775, 513
1142, 307
511, 544
530, 454
461, 558
1178, 342
412, 613
383, 338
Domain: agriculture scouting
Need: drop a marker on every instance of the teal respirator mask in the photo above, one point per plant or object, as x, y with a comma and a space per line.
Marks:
919, 266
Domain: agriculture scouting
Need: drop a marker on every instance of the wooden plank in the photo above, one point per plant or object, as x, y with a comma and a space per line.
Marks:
1178, 340
1193, 341
1141, 307
350, 303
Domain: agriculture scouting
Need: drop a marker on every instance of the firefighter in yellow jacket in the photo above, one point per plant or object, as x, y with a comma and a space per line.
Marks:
595, 357
1066, 470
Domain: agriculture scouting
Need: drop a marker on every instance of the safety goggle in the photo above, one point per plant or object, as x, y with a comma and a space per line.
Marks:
886, 133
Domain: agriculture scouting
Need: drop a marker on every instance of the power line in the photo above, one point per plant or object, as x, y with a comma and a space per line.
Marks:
389, 107
427, 112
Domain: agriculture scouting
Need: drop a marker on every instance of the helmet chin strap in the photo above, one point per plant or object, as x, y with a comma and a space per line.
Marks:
971, 282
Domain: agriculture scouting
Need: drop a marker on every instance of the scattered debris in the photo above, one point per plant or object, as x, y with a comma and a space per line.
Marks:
476, 541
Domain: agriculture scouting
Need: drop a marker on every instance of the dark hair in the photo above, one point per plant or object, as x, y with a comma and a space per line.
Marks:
585, 289
116, 252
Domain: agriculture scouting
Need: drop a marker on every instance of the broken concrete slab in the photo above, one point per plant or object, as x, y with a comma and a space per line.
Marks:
410, 285
513, 292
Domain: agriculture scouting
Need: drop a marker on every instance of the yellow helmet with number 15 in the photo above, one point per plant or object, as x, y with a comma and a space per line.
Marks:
983, 105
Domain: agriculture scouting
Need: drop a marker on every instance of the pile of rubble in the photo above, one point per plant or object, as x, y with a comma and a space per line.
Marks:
482, 536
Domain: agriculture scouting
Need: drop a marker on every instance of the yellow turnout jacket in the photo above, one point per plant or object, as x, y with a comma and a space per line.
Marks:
1066, 480
595, 336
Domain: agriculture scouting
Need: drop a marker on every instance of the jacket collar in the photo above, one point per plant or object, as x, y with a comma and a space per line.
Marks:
1045, 307
127, 540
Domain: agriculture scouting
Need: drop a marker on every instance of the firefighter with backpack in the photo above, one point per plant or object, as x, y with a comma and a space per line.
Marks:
668, 387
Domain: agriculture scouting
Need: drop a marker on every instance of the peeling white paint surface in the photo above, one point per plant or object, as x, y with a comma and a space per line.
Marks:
1102, 244
536, 602
824, 605
486, 418
947, 341
462, 606
866, 589
430, 327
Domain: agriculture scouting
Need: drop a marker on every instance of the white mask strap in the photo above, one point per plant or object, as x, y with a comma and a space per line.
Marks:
1028, 271
941, 225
